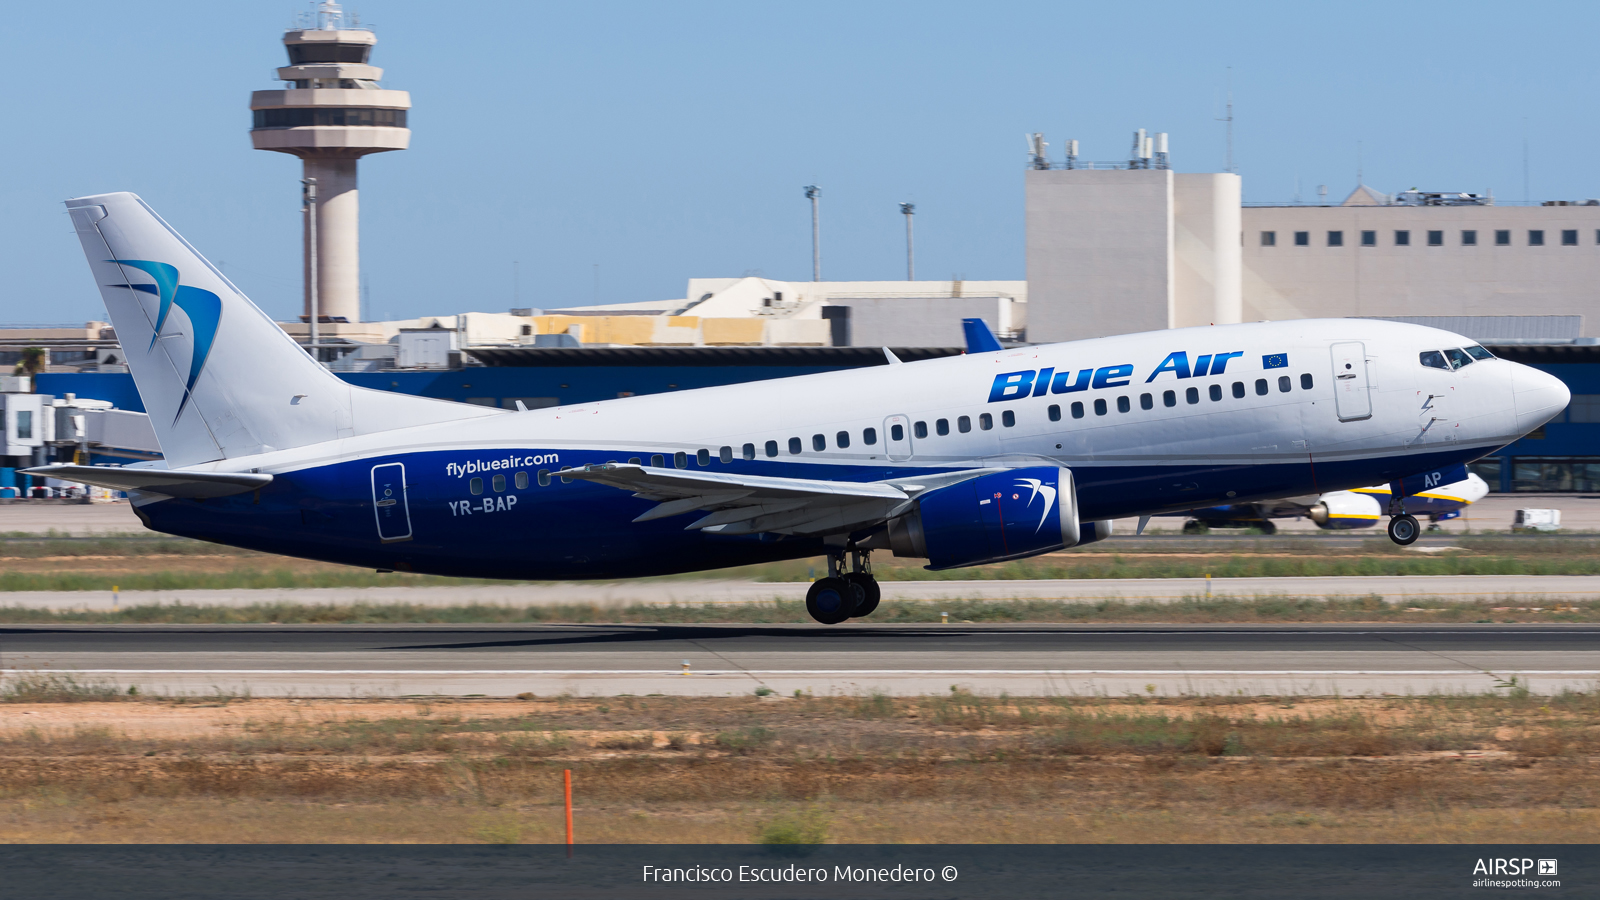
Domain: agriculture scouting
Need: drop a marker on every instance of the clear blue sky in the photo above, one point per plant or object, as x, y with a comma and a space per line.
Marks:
664, 141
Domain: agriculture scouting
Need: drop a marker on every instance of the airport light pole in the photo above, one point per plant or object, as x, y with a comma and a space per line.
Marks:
909, 210
812, 193
309, 205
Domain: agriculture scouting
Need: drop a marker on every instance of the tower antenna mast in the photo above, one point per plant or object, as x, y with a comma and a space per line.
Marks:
1228, 118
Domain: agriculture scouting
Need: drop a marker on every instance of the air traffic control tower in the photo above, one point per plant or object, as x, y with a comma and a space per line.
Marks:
334, 114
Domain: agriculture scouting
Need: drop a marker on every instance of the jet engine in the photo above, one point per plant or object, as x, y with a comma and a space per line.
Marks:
992, 518
1342, 510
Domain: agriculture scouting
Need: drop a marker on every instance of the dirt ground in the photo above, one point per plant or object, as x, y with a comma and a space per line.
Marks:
846, 769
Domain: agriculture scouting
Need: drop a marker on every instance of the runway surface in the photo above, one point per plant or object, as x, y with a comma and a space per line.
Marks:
609, 660
1394, 588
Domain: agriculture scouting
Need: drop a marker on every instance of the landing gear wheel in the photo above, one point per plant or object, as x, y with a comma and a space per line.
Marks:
1404, 530
1266, 526
832, 600
869, 591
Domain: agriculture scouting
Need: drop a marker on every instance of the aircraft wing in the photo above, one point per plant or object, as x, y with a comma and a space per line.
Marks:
172, 482
752, 504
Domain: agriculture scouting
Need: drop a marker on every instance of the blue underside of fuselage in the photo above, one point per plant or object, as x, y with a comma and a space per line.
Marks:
583, 530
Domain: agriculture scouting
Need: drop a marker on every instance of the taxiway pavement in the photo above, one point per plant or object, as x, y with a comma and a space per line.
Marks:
606, 660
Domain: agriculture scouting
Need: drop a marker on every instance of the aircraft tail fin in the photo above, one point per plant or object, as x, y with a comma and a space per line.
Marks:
218, 377
979, 338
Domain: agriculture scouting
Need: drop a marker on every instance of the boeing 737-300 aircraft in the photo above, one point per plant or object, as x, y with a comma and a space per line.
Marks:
990, 456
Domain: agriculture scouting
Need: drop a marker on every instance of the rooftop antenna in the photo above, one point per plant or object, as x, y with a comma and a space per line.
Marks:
813, 193
1037, 151
1322, 194
1140, 157
1360, 175
1072, 154
1161, 158
909, 210
1228, 118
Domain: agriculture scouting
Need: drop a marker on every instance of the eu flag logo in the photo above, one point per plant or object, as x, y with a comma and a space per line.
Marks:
1275, 361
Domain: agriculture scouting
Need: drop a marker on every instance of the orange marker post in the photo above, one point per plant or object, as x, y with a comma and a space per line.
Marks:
567, 777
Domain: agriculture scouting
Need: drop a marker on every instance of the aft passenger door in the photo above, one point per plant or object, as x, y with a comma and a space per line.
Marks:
897, 437
1351, 397
389, 502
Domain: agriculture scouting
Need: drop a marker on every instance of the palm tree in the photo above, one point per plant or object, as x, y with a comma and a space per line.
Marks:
34, 361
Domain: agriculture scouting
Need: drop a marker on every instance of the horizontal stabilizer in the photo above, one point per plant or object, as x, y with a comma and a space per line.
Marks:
194, 485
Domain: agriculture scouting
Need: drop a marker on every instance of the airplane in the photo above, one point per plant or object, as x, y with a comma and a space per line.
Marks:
988, 456
1342, 510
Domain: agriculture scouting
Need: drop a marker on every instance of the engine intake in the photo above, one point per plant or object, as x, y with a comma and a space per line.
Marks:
993, 518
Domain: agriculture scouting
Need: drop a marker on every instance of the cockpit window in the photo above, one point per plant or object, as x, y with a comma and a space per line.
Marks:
1477, 352
1433, 359
1458, 358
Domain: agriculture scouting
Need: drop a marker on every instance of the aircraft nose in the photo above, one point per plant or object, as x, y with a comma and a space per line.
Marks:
1537, 396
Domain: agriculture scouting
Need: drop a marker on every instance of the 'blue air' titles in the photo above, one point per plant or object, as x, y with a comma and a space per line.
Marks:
1038, 382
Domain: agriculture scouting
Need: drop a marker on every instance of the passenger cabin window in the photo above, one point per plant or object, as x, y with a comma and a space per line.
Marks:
475, 486
1283, 383
1458, 358
920, 429
819, 443
771, 449
703, 457
1100, 407
794, 446
725, 455
1216, 392
680, 459
1305, 381
561, 474
1008, 418
748, 451
985, 421
942, 426
842, 440
897, 432
869, 436
1055, 414
1123, 405
1077, 410
964, 424
1261, 387
499, 482
1147, 402
1433, 359
544, 478
1169, 398
1238, 390
658, 460
522, 481
1192, 395
634, 460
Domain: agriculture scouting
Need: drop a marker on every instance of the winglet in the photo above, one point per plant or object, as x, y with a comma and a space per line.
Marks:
979, 338
893, 360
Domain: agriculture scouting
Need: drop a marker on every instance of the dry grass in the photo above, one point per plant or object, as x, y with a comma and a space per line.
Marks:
959, 768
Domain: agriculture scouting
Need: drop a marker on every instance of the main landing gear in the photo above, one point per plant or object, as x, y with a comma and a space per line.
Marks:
1403, 528
844, 595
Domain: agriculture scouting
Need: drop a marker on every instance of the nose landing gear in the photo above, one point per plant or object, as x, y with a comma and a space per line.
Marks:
844, 595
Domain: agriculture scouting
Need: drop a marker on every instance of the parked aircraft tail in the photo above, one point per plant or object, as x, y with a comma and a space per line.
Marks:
218, 377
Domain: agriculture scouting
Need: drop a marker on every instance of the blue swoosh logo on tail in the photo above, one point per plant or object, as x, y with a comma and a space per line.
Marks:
203, 308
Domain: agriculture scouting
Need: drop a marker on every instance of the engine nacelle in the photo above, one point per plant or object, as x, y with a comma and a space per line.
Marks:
1343, 510
1089, 532
992, 518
